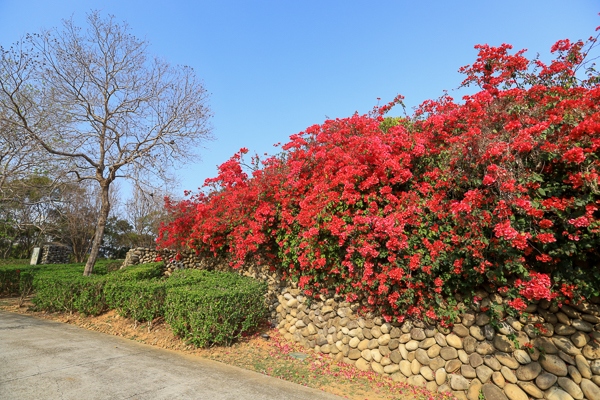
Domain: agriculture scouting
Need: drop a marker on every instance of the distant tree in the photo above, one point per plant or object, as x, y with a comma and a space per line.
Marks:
117, 238
146, 211
26, 216
97, 101
73, 221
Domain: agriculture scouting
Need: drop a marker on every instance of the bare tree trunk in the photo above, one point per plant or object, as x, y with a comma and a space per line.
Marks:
104, 210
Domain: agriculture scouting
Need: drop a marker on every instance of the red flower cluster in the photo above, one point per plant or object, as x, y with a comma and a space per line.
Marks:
538, 287
405, 212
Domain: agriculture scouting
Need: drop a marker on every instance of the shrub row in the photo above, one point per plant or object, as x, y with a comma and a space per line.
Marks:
218, 309
201, 307
16, 279
67, 290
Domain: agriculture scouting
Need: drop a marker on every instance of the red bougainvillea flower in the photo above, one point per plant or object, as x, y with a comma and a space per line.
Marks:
402, 213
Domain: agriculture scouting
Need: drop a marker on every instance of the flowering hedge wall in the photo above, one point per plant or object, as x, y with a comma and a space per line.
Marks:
500, 189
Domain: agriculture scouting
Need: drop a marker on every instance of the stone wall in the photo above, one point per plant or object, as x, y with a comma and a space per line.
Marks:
55, 254
143, 255
469, 358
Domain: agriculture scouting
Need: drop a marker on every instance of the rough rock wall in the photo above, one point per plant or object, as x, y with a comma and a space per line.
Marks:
472, 357
144, 255
54, 254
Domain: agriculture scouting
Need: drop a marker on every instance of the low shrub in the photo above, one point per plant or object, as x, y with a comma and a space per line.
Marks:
216, 310
145, 300
138, 300
9, 280
138, 272
68, 290
109, 265
17, 279
184, 277
202, 307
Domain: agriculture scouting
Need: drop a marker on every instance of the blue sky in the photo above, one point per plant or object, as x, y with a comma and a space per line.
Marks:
275, 68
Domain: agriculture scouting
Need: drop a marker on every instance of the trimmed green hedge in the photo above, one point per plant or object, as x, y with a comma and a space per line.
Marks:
69, 291
202, 307
143, 300
217, 310
138, 272
17, 278
138, 300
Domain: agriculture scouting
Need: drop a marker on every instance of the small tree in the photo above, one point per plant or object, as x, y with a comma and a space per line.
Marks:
116, 242
26, 214
30, 183
74, 220
100, 103
146, 211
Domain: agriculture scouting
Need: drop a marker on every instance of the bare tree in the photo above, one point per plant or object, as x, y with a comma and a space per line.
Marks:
21, 162
74, 220
146, 210
99, 102
15, 159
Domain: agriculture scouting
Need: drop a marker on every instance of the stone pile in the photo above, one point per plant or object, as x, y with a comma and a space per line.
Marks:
139, 255
470, 358
55, 254
144, 255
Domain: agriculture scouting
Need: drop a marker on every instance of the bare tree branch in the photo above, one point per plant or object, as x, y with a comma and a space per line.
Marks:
97, 101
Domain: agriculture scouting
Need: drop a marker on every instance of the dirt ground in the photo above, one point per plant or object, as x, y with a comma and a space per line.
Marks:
270, 356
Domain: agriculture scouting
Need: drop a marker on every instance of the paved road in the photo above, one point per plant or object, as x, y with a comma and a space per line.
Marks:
42, 359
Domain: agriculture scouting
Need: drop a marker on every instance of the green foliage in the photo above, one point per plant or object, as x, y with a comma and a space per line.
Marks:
16, 278
114, 242
68, 291
202, 307
138, 300
217, 310
14, 262
138, 272
185, 277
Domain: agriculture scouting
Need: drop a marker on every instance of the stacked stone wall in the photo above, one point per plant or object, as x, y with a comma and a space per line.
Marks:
470, 358
55, 254
144, 255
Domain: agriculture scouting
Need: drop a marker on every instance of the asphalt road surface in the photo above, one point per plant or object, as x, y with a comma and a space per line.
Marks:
43, 359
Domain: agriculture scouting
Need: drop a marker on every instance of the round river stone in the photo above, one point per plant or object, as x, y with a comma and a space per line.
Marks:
493, 392
554, 365
529, 372
475, 360
448, 353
